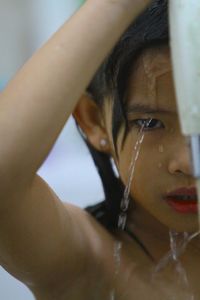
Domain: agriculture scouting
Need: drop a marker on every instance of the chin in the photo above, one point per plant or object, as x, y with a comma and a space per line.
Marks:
189, 225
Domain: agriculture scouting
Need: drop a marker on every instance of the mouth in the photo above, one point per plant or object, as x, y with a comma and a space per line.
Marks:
183, 200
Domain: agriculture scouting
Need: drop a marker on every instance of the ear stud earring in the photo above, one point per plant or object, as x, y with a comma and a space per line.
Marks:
103, 143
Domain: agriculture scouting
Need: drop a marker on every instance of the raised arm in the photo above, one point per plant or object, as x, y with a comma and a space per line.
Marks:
37, 103
34, 107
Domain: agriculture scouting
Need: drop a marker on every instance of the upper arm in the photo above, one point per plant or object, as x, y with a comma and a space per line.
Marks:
41, 238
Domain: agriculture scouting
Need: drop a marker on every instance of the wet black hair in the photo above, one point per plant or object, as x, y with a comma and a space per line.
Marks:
110, 82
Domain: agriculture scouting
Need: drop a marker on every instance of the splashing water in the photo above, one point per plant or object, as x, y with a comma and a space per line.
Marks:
178, 244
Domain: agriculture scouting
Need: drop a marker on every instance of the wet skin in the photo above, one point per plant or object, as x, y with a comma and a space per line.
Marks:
79, 253
59, 251
163, 165
164, 162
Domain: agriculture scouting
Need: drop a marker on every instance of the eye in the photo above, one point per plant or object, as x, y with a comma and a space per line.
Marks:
147, 124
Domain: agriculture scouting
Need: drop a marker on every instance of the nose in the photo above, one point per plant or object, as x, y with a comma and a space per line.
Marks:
181, 159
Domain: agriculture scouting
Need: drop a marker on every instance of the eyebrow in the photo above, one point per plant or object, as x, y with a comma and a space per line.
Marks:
143, 108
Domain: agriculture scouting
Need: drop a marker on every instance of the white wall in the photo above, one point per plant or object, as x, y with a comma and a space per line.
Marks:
25, 25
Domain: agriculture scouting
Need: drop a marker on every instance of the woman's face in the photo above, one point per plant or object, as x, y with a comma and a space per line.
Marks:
164, 164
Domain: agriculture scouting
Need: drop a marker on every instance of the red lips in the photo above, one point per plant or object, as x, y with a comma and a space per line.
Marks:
183, 200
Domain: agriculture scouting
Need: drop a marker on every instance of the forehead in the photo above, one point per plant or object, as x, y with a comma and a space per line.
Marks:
151, 82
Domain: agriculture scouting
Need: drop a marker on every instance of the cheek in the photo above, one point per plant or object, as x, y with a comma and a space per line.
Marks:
126, 158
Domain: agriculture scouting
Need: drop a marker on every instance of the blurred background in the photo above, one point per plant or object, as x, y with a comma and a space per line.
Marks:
25, 26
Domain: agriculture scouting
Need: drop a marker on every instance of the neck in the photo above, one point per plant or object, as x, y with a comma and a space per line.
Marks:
152, 234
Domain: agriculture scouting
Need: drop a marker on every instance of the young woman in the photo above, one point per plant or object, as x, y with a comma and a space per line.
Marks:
60, 251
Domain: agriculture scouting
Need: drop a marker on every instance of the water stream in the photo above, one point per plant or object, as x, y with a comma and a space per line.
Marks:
126, 199
124, 205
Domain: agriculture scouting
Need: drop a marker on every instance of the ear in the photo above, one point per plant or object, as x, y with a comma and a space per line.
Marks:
90, 119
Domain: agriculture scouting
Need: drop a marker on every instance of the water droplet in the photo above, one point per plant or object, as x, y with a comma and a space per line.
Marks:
161, 149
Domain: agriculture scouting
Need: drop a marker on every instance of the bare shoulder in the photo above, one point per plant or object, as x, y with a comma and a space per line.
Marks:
91, 264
